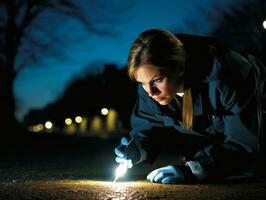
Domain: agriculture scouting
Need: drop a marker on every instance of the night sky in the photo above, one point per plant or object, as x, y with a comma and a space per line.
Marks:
35, 87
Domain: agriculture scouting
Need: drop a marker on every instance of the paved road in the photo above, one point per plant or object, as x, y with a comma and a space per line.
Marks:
78, 169
88, 189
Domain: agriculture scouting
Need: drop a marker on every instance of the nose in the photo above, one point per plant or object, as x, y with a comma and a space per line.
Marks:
152, 90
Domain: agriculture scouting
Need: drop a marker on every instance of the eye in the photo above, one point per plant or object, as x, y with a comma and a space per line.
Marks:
158, 80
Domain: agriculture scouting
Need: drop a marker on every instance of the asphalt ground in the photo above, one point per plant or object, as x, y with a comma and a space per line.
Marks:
89, 189
59, 167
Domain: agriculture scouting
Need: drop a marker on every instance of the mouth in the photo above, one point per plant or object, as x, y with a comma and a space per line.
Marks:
158, 98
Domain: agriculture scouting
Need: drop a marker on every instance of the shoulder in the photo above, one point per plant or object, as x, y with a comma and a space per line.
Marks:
231, 80
144, 97
142, 94
235, 68
146, 103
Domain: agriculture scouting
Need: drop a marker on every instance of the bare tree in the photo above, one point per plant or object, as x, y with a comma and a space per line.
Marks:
29, 31
241, 27
238, 24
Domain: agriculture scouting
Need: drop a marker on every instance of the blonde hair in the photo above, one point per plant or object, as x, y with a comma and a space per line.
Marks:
163, 49
187, 107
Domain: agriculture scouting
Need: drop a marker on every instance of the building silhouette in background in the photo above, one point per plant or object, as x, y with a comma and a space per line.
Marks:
91, 104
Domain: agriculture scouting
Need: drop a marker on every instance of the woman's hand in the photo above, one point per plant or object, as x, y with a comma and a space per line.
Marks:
171, 174
120, 152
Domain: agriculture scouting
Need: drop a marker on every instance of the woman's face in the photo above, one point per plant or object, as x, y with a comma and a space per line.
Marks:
160, 87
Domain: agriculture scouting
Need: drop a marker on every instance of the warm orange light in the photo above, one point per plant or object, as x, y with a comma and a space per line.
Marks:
39, 127
96, 124
78, 119
34, 128
68, 121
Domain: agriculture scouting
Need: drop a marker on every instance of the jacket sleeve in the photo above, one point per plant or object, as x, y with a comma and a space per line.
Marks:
238, 105
145, 126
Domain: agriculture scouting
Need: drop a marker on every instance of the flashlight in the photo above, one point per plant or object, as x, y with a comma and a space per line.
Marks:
134, 154
121, 170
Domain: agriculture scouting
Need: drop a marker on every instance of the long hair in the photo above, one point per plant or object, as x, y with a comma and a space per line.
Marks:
164, 50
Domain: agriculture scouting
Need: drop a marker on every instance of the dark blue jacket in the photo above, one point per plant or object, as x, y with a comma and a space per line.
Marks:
225, 126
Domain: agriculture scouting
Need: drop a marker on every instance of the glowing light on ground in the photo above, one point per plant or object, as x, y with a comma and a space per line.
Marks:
121, 170
96, 124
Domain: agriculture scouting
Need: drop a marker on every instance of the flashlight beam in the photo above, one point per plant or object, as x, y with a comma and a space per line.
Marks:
121, 170
115, 179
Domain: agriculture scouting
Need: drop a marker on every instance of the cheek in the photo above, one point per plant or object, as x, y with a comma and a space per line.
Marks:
165, 89
168, 85
171, 89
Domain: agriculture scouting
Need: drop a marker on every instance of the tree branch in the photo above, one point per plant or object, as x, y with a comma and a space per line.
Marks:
30, 14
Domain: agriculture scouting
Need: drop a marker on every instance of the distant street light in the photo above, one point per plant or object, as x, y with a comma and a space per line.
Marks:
68, 121
37, 128
264, 24
104, 111
78, 119
40, 127
48, 125
34, 129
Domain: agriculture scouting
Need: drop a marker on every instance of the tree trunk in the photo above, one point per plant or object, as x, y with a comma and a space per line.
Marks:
11, 40
7, 99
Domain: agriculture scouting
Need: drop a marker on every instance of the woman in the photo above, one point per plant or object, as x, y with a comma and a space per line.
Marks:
195, 97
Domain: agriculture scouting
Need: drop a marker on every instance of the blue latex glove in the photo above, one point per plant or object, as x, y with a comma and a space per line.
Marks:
166, 175
120, 155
